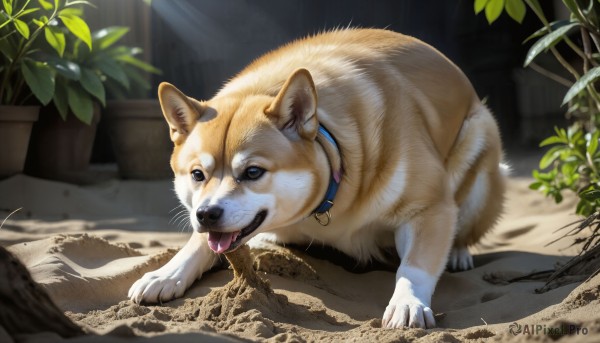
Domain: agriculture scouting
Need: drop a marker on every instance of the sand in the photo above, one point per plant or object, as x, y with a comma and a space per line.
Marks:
86, 245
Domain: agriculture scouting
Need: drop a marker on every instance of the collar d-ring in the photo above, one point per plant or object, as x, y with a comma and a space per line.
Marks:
323, 218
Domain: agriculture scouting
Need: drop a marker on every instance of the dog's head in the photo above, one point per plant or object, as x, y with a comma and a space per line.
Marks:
245, 163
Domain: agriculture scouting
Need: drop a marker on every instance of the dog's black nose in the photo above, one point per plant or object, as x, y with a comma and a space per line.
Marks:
209, 215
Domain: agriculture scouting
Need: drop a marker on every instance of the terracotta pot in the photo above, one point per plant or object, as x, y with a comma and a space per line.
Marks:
15, 130
140, 138
61, 149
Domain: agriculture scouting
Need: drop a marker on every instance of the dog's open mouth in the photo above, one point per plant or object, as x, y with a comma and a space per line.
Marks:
221, 242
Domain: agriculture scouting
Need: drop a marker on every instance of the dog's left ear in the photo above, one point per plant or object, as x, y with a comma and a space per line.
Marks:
294, 109
181, 112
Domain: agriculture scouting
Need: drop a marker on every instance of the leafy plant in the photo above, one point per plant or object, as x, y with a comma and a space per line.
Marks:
573, 163
130, 71
573, 160
24, 73
87, 75
70, 67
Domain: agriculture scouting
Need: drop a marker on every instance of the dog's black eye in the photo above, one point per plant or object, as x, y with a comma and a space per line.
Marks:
253, 173
198, 175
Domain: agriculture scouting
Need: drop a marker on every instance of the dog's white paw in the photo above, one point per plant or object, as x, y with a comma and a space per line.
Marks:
408, 311
460, 259
158, 286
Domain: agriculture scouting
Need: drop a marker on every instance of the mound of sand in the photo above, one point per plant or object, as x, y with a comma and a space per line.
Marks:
87, 260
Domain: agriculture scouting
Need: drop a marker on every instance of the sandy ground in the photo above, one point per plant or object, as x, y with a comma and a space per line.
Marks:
87, 245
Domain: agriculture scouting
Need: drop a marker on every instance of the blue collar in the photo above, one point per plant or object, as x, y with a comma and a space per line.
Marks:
321, 213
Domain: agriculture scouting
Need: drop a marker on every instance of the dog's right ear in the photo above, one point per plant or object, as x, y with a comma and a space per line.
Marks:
179, 111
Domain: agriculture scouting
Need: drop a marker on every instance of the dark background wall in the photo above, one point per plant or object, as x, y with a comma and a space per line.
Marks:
199, 45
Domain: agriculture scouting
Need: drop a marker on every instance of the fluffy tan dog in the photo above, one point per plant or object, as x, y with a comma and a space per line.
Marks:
358, 139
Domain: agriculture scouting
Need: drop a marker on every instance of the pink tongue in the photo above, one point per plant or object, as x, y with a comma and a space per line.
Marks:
220, 241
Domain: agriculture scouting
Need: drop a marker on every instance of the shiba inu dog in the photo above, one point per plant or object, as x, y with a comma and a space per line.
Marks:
360, 139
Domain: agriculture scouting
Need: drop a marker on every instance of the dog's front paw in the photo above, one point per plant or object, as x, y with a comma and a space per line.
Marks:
158, 286
408, 311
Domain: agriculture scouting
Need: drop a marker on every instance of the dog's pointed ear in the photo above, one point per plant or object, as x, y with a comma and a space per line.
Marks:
294, 109
180, 111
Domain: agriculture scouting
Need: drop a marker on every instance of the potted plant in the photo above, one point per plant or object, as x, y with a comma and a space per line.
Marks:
88, 73
26, 81
62, 140
137, 130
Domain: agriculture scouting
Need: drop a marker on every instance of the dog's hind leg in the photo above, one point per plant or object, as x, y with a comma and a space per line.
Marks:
477, 215
479, 190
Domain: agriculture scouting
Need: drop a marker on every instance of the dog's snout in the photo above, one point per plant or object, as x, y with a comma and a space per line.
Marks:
209, 215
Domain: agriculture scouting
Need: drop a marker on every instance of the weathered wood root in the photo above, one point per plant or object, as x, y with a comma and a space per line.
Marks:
25, 305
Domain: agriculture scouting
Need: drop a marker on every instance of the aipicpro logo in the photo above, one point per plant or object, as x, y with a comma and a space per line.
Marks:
554, 331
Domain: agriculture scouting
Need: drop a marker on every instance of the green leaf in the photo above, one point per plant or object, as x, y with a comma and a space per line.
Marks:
139, 84
79, 2
56, 39
547, 177
479, 5
535, 185
561, 132
547, 42
106, 37
26, 12
581, 84
568, 170
553, 26
516, 9
493, 9
38, 22
550, 156
121, 50
22, 27
535, 4
113, 70
582, 207
46, 5
574, 133
78, 27
115, 90
41, 21
558, 198
590, 195
553, 140
64, 67
8, 49
73, 11
81, 104
139, 64
60, 100
8, 6
40, 80
93, 85
592, 144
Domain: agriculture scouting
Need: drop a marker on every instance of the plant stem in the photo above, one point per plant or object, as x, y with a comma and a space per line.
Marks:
587, 49
587, 60
555, 52
575, 48
17, 91
551, 75
595, 39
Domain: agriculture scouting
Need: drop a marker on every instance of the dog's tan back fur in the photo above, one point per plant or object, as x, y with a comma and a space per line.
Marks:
372, 81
